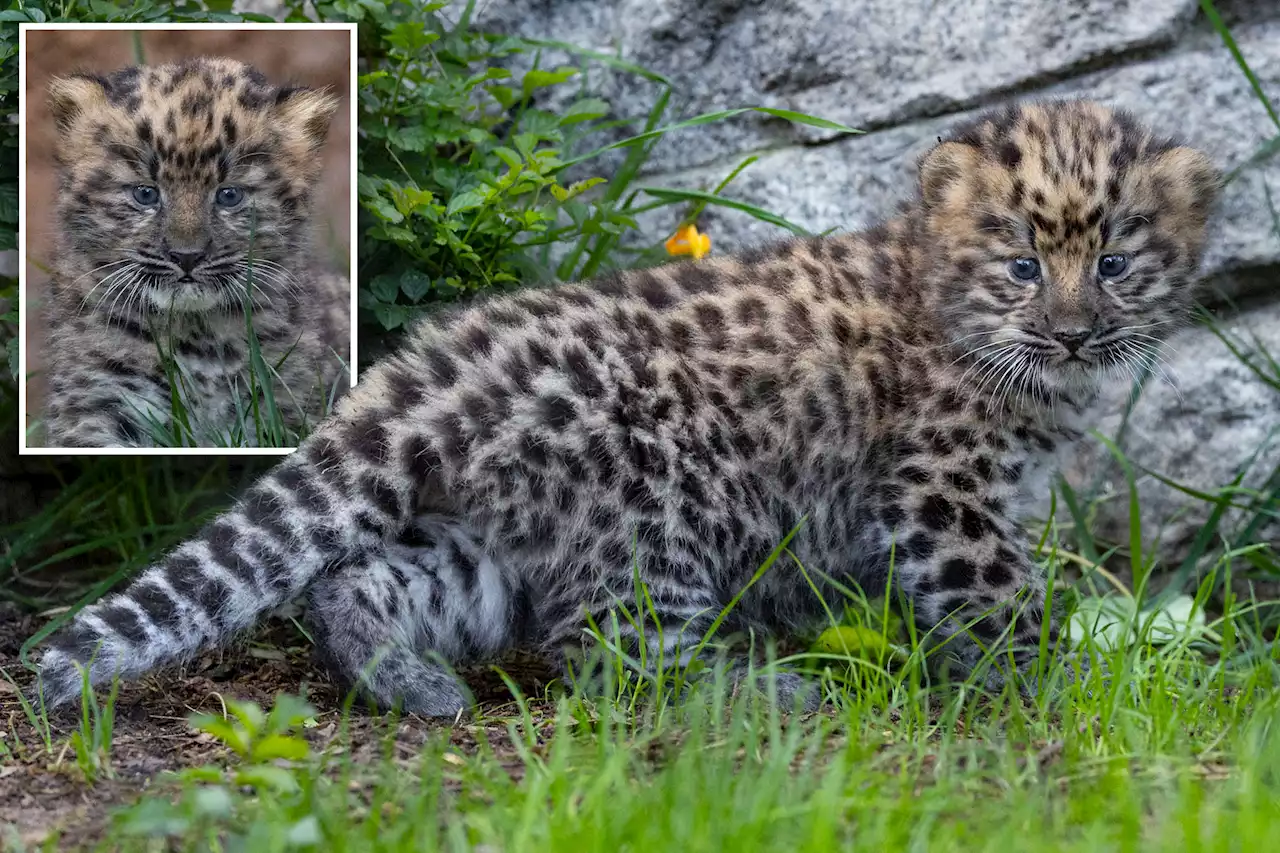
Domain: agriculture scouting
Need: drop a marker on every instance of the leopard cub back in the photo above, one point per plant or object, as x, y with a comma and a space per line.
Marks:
184, 211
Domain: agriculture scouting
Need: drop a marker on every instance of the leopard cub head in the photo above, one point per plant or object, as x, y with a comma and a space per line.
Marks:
184, 187
1064, 239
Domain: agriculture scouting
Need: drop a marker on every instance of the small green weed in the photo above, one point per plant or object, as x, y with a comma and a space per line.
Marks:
92, 741
267, 753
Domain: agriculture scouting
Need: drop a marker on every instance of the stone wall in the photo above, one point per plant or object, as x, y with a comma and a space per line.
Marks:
904, 71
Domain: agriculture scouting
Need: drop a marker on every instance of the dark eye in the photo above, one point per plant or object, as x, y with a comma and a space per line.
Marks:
230, 196
1110, 266
145, 195
1024, 269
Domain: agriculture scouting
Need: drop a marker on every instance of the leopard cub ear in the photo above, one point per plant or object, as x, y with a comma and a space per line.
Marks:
308, 112
943, 168
69, 97
1189, 175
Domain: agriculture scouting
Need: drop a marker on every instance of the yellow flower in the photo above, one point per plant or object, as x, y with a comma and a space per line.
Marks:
687, 241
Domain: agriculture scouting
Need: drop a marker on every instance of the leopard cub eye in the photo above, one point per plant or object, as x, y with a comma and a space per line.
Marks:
1110, 266
1024, 269
146, 195
229, 196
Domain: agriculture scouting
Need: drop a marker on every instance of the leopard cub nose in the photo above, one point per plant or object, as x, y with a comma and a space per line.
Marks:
1072, 339
186, 260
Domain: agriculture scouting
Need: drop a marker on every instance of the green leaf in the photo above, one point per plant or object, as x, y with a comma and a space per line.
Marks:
603, 58
232, 736
384, 287
720, 201
536, 79
410, 37
155, 817
415, 285
584, 110
253, 718
370, 186
408, 200
806, 119
383, 209
390, 316
213, 801
305, 833
467, 200
506, 155
709, 118
268, 776
280, 746
410, 138
207, 773
574, 189
289, 712
104, 9
504, 95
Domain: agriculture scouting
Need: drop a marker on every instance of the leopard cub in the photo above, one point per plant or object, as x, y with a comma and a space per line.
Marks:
184, 204
515, 467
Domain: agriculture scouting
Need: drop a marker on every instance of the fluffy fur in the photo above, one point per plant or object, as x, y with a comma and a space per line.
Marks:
502, 476
185, 190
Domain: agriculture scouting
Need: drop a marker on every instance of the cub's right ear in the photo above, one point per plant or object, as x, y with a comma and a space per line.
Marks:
71, 96
944, 167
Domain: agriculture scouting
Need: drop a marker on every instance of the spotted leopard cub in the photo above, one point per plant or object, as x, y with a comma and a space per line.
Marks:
184, 203
509, 472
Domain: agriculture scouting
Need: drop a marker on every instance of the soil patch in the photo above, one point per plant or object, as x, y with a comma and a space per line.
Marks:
43, 791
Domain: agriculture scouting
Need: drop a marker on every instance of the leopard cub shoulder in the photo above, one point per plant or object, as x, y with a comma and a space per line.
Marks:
184, 210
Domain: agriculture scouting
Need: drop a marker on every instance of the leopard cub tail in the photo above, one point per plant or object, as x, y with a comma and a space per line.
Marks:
301, 517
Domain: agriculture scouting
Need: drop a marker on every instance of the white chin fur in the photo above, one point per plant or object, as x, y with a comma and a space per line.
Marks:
187, 299
1071, 376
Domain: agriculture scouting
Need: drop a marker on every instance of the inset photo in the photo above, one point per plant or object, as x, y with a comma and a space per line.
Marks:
187, 230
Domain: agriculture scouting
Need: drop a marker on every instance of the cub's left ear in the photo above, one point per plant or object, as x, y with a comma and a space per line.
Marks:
71, 96
944, 167
308, 111
1187, 177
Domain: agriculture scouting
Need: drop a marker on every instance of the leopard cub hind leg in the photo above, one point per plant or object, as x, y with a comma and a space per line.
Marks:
379, 620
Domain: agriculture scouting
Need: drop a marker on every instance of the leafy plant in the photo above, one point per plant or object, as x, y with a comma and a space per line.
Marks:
267, 750
462, 173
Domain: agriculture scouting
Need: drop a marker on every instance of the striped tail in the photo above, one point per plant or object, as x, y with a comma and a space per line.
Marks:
304, 515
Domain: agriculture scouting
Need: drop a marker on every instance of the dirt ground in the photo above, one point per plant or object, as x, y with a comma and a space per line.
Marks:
41, 793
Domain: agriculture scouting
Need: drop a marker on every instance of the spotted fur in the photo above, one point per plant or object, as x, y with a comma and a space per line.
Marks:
182, 189
502, 476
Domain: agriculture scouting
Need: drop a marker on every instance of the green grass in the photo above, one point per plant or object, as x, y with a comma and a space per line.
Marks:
888, 772
1179, 750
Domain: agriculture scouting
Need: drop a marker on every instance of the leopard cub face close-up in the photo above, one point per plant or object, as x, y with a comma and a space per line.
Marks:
184, 204
889, 396
1062, 257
